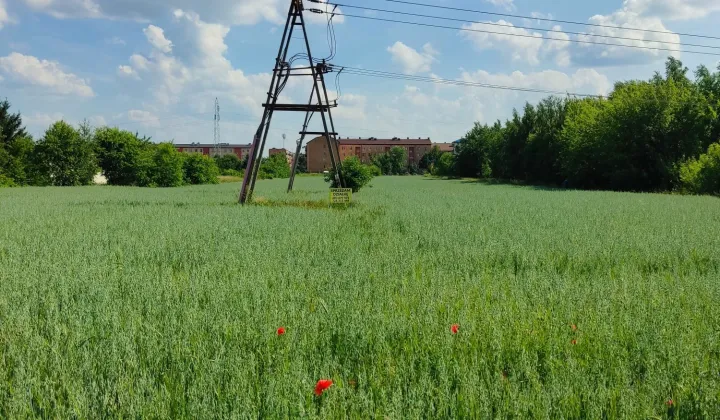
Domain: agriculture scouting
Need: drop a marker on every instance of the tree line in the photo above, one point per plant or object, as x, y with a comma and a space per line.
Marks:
73, 156
646, 136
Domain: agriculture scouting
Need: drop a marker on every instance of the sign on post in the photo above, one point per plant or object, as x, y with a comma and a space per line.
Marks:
340, 196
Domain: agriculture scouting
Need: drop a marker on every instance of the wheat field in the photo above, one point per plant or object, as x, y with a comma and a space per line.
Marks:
165, 303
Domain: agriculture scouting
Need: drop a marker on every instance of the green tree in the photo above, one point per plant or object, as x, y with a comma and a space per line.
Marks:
354, 173
15, 160
382, 162
301, 163
430, 158
445, 166
63, 158
393, 162
120, 155
200, 169
702, 175
413, 169
398, 160
275, 166
542, 162
15, 148
634, 140
11, 126
473, 153
229, 162
167, 166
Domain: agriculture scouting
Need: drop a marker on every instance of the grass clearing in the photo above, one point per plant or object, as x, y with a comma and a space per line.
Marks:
129, 302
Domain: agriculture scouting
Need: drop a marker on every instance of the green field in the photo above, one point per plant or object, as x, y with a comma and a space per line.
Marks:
164, 303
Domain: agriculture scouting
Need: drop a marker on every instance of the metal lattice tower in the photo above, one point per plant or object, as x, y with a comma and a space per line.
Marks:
317, 104
216, 133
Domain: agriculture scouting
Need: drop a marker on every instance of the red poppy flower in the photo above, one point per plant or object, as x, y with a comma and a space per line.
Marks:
322, 385
669, 402
573, 342
454, 328
573, 327
281, 331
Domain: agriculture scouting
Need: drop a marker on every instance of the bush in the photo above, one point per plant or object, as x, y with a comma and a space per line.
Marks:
393, 162
230, 162
200, 169
430, 159
232, 172
702, 175
444, 166
120, 156
414, 169
6, 182
355, 174
166, 166
375, 171
275, 166
63, 158
301, 167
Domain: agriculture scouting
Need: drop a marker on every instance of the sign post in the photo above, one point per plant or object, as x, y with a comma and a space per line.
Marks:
340, 196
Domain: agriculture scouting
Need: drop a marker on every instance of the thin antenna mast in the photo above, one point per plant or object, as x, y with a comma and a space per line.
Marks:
216, 134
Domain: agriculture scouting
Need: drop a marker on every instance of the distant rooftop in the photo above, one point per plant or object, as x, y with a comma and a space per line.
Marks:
445, 147
211, 145
385, 142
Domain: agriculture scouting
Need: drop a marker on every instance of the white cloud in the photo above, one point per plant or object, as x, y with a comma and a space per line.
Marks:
43, 120
146, 118
127, 71
4, 16
557, 44
351, 107
139, 62
227, 12
97, 121
584, 81
631, 47
521, 44
156, 38
673, 9
642, 41
38, 123
47, 74
541, 15
505, 4
63, 9
412, 61
116, 41
196, 67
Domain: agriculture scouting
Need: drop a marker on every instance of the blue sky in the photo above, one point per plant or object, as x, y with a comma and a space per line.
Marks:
156, 66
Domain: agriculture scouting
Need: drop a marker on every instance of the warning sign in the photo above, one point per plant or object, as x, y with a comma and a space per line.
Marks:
340, 195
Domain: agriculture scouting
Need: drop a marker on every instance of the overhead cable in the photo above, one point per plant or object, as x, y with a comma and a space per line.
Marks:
465, 83
528, 36
569, 22
510, 25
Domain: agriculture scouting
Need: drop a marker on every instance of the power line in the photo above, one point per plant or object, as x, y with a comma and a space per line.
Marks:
520, 27
548, 20
397, 76
527, 36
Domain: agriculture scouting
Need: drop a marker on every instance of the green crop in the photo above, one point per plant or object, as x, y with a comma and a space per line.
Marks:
165, 303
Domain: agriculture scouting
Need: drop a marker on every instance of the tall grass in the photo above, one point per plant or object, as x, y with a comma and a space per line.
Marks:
124, 302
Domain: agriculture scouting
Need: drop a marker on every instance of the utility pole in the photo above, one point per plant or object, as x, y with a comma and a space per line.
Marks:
216, 129
318, 103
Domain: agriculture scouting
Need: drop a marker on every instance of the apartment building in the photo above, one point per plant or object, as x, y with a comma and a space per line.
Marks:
318, 156
239, 150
